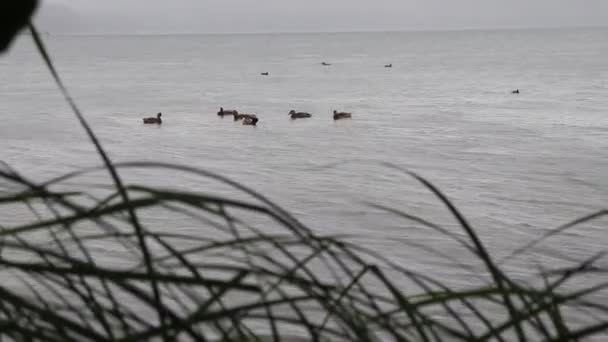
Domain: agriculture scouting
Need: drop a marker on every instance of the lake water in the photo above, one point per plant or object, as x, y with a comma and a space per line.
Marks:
516, 165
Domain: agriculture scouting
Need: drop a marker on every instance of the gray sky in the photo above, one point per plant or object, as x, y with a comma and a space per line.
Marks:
201, 16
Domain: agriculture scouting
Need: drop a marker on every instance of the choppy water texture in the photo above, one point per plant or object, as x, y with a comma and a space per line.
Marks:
516, 165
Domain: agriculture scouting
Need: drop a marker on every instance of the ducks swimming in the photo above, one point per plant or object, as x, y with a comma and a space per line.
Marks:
252, 119
342, 115
152, 120
265, 74
248, 119
299, 115
223, 112
516, 91
326, 64
389, 65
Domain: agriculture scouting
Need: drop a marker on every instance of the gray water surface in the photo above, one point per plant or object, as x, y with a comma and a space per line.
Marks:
516, 165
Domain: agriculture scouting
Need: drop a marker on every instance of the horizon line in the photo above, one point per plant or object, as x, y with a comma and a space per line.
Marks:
397, 30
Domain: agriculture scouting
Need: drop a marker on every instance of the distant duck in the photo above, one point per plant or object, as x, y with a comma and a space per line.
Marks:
341, 115
299, 115
265, 74
152, 120
516, 91
251, 120
223, 112
325, 64
389, 65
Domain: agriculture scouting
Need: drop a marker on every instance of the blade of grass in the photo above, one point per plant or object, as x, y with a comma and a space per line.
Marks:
108, 163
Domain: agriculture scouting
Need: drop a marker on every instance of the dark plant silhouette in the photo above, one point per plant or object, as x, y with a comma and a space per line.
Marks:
14, 16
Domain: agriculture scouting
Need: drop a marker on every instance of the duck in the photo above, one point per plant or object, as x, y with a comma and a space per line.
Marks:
250, 120
154, 120
341, 115
244, 116
326, 64
389, 65
265, 74
223, 112
516, 91
299, 115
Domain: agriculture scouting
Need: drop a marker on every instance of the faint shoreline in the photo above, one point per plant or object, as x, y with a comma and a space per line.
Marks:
379, 31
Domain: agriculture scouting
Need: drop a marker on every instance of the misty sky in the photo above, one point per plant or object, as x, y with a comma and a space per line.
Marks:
201, 16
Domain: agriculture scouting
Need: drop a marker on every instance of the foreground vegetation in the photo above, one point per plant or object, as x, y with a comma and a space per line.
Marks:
84, 263
87, 267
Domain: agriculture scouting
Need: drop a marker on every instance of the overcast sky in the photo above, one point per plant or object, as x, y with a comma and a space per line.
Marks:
201, 16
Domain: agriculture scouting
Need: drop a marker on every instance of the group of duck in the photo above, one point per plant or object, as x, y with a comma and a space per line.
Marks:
248, 119
251, 119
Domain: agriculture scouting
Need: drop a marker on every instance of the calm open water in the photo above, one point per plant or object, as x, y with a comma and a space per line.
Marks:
516, 165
